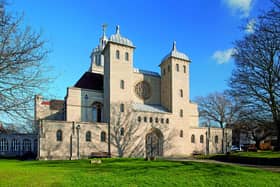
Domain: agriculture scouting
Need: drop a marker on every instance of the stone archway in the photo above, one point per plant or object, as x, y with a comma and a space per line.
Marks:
154, 143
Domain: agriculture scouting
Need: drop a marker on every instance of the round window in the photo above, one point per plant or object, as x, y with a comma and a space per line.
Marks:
143, 90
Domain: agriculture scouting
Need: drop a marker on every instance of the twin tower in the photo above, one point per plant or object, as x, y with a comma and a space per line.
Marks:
113, 58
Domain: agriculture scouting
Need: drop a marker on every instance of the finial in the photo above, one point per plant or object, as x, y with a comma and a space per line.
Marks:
174, 46
118, 29
104, 27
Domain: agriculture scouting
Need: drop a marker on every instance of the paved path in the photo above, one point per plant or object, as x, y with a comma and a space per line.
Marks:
264, 167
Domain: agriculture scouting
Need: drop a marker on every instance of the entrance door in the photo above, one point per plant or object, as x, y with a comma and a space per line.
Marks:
154, 144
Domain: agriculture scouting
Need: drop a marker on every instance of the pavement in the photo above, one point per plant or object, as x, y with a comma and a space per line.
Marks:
264, 167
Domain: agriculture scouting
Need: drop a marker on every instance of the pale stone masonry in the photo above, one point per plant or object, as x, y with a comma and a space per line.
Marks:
146, 114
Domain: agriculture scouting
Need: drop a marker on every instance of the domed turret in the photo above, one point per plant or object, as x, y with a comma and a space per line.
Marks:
117, 38
176, 54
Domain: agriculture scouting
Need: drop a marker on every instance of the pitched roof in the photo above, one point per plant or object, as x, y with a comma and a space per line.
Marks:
92, 81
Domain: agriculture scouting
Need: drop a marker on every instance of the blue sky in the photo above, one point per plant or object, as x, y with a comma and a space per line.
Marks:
204, 30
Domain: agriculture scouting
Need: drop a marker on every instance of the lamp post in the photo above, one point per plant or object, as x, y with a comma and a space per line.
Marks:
78, 141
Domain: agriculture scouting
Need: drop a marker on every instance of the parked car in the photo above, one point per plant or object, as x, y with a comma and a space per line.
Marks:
235, 148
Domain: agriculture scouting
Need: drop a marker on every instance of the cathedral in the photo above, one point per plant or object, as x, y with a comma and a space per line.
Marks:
117, 110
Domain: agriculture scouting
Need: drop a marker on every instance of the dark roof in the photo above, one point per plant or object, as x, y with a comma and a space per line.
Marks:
56, 104
92, 81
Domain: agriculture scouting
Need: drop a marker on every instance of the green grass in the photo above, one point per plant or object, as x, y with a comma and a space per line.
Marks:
259, 154
131, 172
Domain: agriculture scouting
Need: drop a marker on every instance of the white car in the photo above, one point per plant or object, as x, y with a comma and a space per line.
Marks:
235, 148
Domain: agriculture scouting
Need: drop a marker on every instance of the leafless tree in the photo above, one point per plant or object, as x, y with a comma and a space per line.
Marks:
22, 52
124, 126
256, 77
219, 108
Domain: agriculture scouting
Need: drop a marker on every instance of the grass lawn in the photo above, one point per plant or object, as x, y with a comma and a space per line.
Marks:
260, 154
131, 172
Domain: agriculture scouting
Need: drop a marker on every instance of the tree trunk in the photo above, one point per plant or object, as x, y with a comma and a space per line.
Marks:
278, 134
258, 142
223, 137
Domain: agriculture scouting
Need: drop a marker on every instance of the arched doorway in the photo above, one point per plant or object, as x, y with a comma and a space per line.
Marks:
154, 143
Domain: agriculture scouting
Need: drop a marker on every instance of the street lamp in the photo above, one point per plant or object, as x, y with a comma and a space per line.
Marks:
78, 141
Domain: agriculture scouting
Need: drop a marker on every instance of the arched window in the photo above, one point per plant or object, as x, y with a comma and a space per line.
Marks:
122, 131
181, 133
97, 112
59, 135
26, 145
121, 107
177, 67
181, 113
201, 139
184, 68
126, 56
156, 120
15, 145
151, 120
88, 136
103, 136
181, 93
145, 119
162, 120
193, 139
139, 118
216, 139
3, 144
167, 120
117, 54
122, 84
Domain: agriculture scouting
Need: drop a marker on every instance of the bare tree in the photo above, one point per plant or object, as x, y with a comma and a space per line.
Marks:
123, 128
219, 108
256, 78
22, 52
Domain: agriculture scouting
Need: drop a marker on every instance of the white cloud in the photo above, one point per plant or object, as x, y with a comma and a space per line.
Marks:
250, 27
241, 7
222, 57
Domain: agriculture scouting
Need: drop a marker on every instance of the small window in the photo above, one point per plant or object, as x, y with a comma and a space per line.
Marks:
122, 84
184, 67
162, 120
193, 138
122, 131
163, 71
181, 93
201, 139
117, 54
151, 120
156, 120
126, 56
139, 118
168, 68
216, 139
181, 133
122, 108
88, 136
59, 135
145, 119
103, 136
167, 120
177, 67
181, 113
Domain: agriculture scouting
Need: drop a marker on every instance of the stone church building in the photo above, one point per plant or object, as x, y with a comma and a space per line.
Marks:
117, 110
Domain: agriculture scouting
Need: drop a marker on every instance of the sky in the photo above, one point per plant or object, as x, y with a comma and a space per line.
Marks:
204, 30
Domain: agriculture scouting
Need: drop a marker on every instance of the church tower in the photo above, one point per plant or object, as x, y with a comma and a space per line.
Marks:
97, 58
175, 82
118, 72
